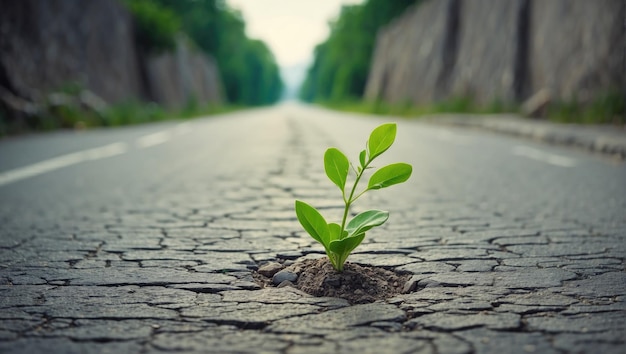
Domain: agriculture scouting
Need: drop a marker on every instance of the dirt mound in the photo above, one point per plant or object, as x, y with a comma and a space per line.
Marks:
357, 284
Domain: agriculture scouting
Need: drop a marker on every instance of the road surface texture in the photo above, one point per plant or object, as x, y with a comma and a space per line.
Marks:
145, 239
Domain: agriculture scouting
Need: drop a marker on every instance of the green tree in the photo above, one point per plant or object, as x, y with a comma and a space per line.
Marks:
342, 62
248, 69
156, 26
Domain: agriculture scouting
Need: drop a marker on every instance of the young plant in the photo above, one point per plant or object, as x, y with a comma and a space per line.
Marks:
339, 240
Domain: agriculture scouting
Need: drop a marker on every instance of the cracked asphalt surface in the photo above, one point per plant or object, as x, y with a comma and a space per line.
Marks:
149, 245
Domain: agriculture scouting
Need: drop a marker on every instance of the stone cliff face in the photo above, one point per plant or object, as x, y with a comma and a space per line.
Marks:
490, 52
577, 47
46, 46
175, 79
500, 50
397, 60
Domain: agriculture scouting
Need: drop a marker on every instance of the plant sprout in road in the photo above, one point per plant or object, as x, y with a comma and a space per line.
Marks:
339, 240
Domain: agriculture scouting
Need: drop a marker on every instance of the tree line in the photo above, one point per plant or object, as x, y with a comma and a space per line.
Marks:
249, 72
341, 64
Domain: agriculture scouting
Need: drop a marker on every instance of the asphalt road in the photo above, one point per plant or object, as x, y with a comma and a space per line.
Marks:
516, 176
73, 204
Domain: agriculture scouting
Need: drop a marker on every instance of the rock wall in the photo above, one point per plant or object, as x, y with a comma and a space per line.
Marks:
500, 50
48, 46
178, 78
490, 54
398, 60
577, 47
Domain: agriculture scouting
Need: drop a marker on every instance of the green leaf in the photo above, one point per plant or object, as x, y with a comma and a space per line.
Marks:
336, 165
313, 222
390, 175
344, 247
365, 221
362, 156
381, 139
335, 232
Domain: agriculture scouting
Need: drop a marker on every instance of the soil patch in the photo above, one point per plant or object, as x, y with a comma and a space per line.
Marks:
357, 284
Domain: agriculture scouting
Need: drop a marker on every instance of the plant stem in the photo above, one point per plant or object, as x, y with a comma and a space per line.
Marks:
350, 200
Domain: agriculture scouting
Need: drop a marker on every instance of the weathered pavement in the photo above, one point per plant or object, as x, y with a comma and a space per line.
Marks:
150, 246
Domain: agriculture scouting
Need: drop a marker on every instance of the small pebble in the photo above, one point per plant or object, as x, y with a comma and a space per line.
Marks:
270, 268
284, 275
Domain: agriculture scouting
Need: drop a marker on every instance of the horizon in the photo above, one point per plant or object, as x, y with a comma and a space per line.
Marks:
307, 21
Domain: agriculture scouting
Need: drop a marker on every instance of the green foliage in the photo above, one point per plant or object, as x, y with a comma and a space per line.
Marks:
390, 175
132, 112
381, 139
251, 75
248, 68
408, 109
72, 115
340, 240
336, 165
607, 108
341, 64
155, 25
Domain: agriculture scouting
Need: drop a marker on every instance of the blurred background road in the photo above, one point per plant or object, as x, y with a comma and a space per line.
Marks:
108, 166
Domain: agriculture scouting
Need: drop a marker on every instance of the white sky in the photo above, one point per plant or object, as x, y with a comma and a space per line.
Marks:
291, 28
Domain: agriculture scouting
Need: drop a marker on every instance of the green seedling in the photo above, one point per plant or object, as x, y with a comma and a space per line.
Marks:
340, 240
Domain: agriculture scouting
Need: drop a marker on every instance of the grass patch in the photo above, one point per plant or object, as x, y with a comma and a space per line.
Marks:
609, 108
409, 110
132, 112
